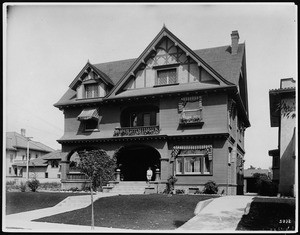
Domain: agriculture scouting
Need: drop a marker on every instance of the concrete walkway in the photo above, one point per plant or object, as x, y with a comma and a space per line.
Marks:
220, 214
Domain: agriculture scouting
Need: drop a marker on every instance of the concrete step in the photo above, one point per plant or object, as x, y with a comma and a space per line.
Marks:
129, 187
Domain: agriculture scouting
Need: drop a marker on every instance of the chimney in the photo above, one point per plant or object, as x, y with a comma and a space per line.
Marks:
23, 132
234, 42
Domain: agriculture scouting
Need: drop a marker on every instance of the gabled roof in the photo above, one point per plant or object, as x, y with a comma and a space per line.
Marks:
218, 60
15, 140
165, 33
101, 74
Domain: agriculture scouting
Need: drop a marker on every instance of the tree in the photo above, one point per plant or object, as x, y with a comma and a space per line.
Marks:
99, 167
264, 185
287, 109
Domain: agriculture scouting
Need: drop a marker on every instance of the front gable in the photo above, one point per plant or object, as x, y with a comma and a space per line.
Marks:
91, 83
167, 61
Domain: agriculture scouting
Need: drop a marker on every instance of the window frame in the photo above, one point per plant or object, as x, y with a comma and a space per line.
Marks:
91, 129
190, 120
158, 70
95, 91
184, 160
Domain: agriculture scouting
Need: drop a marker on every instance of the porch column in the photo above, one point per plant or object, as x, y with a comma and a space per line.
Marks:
157, 173
118, 172
64, 169
164, 168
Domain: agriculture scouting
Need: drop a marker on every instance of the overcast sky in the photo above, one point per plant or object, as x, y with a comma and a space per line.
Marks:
48, 45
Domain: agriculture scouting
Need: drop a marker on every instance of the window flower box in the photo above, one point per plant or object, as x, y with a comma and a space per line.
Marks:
190, 121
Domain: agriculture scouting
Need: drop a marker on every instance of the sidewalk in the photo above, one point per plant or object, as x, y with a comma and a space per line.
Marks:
221, 214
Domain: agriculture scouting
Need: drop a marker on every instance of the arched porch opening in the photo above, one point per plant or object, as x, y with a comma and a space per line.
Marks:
71, 169
134, 161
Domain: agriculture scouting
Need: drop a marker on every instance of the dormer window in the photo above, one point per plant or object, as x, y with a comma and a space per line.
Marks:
91, 90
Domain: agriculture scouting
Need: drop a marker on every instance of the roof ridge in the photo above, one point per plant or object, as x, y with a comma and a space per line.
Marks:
209, 48
108, 62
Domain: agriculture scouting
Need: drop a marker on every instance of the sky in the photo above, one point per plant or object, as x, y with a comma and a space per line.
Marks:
46, 46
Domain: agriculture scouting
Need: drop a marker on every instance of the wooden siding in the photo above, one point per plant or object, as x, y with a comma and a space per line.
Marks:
214, 116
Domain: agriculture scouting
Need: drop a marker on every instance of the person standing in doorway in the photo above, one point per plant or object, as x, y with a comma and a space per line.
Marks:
149, 175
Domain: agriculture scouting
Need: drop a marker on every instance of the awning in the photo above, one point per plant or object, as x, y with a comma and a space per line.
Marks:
201, 149
88, 113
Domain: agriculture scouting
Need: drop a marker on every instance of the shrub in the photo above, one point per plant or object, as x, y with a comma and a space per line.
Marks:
265, 186
23, 187
74, 189
180, 191
170, 184
210, 188
53, 186
33, 184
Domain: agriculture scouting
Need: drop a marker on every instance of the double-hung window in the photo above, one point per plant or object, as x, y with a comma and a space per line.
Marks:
166, 76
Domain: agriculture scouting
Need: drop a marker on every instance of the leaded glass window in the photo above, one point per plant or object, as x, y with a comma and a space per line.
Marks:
168, 76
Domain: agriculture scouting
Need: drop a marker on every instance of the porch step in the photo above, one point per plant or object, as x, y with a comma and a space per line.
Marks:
128, 187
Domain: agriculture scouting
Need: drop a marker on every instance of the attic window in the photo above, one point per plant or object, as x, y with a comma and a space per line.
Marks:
166, 77
91, 90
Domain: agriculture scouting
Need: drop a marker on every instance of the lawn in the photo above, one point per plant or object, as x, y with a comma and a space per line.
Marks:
276, 214
144, 212
17, 202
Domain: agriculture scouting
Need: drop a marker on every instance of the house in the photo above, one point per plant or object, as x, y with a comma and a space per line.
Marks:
250, 181
282, 115
16, 153
180, 111
45, 168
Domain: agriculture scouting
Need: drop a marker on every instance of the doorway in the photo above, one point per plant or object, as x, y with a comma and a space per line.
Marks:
134, 162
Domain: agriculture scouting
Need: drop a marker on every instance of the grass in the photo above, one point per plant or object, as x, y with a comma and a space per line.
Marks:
143, 212
17, 202
276, 214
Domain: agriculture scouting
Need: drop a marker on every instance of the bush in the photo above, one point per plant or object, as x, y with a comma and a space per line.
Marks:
170, 184
265, 186
53, 186
210, 188
180, 191
74, 189
33, 184
23, 187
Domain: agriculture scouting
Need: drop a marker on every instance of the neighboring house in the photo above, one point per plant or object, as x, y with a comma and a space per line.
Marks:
182, 112
282, 115
46, 167
16, 152
250, 181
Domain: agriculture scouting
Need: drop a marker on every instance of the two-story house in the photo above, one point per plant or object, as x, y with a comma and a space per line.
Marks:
282, 115
16, 153
180, 111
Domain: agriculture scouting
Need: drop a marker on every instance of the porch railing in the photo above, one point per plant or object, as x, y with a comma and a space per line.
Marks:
141, 130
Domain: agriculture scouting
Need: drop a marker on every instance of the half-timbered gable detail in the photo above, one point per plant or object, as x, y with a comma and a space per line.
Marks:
180, 111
